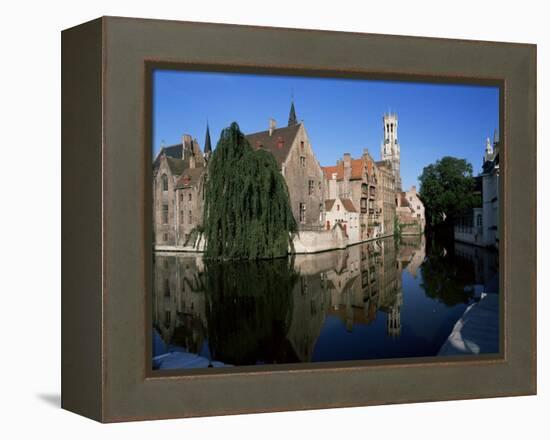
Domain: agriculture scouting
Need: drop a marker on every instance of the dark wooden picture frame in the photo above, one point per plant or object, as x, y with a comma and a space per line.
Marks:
106, 232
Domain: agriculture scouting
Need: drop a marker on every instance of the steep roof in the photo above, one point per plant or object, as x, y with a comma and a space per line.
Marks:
190, 177
176, 165
278, 144
329, 203
174, 151
346, 203
357, 170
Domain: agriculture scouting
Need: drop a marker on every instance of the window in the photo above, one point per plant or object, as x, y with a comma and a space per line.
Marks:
302, 212
337, 207
167, 318
181, 197
479, 220
190, 217
165, 237
164, 214
190, 196
310, 184
418, 207
164, 182
302, 161
181, 216
166, 288
301, 145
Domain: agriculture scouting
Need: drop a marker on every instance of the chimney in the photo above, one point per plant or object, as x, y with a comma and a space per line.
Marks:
272, 126
192, 162
347, 159
413, 189
185, 143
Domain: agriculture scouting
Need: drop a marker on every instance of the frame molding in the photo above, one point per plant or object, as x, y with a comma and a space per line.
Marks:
106, 279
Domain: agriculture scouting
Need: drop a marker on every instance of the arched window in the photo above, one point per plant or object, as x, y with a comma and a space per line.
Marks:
164, 182
479, 220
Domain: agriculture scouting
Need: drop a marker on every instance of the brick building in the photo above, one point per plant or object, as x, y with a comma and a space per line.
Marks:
293, 152
178, 177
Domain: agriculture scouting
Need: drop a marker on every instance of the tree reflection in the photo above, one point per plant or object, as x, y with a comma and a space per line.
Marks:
446, 278
249, 309
335, 305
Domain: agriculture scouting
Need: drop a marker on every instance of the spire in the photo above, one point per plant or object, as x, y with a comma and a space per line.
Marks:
207, 144
292, 116
488, 151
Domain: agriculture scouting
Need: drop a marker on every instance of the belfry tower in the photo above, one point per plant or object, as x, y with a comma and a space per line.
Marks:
390, 149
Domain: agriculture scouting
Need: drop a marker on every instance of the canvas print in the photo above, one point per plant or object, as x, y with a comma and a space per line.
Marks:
305, 219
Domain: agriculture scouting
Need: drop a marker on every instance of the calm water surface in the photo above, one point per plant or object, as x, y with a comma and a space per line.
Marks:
376, 300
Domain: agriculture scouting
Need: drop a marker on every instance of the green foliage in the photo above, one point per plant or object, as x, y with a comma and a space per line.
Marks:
396, 228
445, 277
247, 209
446, 188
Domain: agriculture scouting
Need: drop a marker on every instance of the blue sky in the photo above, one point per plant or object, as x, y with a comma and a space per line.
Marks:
340, 115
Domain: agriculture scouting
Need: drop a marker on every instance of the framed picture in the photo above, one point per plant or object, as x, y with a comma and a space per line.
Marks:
263, 219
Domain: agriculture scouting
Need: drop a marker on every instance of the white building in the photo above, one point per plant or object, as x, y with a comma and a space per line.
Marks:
342, 211
480, 226
417, 207
490, 194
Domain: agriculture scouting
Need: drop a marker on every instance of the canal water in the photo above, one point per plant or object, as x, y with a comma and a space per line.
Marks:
377, 300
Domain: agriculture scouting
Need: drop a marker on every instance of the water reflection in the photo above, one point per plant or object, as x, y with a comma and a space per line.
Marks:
376, 300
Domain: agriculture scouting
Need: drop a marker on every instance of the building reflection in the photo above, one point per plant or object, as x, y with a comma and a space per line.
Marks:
245, 313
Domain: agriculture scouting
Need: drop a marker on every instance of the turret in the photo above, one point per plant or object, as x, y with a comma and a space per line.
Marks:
390, 146
292, 115
207, 144
488, 151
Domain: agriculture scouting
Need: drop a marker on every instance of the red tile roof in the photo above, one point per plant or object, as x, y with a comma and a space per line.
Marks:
357, 170
329, 203
348, 204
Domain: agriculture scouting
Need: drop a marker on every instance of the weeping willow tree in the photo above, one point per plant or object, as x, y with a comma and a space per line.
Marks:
247, 210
